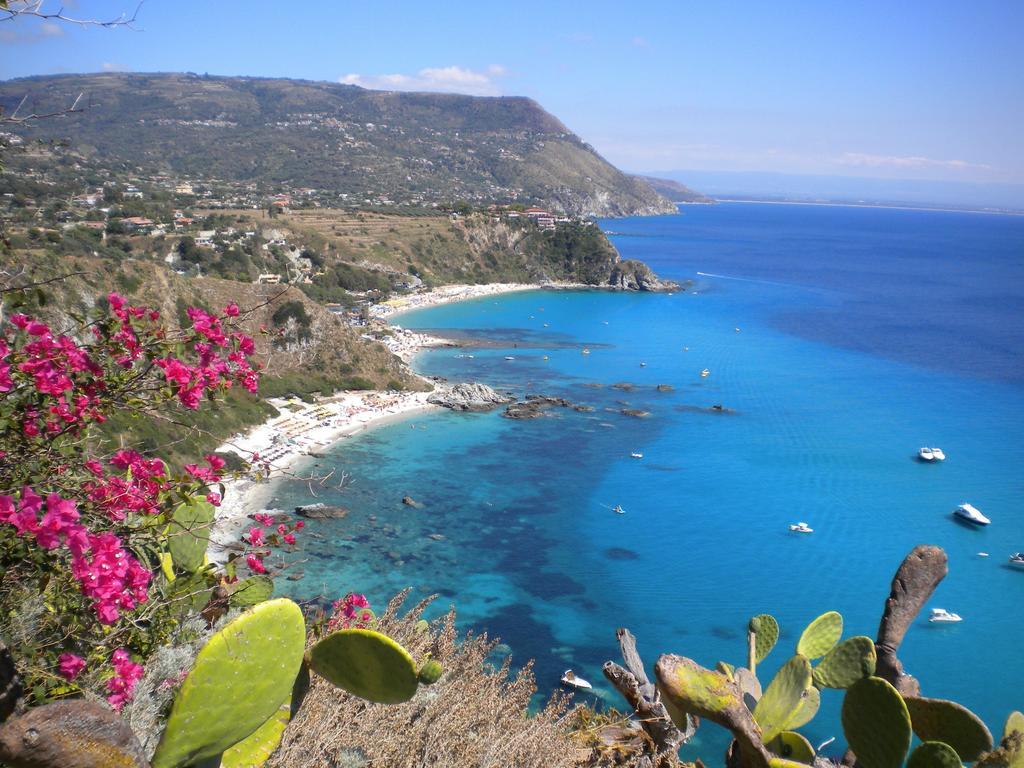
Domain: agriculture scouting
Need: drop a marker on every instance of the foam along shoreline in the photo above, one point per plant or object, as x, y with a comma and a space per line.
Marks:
301, 428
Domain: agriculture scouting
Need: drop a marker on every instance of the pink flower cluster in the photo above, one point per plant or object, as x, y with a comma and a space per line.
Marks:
67, 381
137, 491
257, 537
223, 359
353, 610
106, 573
121, 687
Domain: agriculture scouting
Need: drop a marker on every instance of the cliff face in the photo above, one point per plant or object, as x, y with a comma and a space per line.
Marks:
406, 147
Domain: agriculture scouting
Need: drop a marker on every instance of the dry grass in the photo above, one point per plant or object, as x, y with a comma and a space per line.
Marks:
474, 715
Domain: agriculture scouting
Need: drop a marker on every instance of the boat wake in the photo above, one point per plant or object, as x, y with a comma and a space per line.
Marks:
745, 279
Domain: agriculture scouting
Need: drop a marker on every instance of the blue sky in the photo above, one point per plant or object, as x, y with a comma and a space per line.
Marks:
929, 90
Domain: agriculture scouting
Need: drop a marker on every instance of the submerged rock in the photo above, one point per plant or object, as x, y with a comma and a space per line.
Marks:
321, 511
664, 387
469, 396
635, 412
625, 386
534, 406
409, 501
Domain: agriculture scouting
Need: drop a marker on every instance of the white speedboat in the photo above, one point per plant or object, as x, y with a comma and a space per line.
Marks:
938, 455
705, 373
926, 454
1017, 558
941, 615
971, 514
636, 455
509, 357
643, 365
618, 510
801, 528
584, 351
572, 680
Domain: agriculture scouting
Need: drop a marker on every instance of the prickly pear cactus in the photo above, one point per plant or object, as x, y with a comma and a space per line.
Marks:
766, 634
783, 698
239, 680
808, 708
934, 754
366, 664
948, 722
847, 663
792, 746
876, 723
430, 673
252, 590
260, 745
189, 534
782, 762
821, 635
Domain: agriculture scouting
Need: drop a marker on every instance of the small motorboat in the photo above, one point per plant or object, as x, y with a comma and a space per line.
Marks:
983, 554
736, 329
938, 455
637, 455
509, 357
545, 357
643, 365
971, 514
926, 454
584, 351
941, 615
618, 510
705, 373
1017, 559
572, 680
801, 528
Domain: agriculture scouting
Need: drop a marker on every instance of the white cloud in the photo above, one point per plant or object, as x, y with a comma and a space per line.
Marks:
859, 159
30, 33
453, 79
49, 29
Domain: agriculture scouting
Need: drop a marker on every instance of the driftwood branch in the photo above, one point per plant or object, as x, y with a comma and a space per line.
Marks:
636, 688
34, 8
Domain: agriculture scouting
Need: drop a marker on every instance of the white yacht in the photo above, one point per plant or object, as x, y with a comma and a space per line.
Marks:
637, 455
509, 357
572, 680
942, 615
705, 373
926, 454
801, 528
1017, 558
938, 455
584, 351
971, 514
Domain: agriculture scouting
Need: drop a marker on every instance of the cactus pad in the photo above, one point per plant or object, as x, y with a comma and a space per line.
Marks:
782, 762
821, 635
366, 664
783, 698
792, 746
946, 721
766, 634
189, 534
726, 669
252, 590
847, 663
808, 708
876, 723
430, 673
260, 745
934, 754
691, 688
1014, 724
239, 680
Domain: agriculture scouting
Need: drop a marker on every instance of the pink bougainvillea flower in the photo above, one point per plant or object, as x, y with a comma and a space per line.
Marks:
70, 665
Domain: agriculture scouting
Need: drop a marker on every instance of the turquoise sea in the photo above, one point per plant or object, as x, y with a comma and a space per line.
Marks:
862, 335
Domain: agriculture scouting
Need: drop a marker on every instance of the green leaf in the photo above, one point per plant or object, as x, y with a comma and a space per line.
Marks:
189, 534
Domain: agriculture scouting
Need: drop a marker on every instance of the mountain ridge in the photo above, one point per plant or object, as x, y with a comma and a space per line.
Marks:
407, 147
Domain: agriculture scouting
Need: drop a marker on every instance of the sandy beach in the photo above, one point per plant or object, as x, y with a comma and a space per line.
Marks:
276, 448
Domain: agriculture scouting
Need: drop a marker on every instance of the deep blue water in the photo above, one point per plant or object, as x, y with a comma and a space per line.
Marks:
863, 334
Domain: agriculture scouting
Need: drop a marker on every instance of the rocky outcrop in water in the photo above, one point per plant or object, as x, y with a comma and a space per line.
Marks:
534, 406
321, 511
633, 275
469, 397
